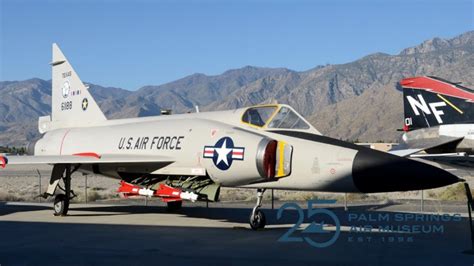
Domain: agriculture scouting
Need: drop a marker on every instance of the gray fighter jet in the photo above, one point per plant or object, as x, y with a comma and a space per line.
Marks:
438, 123
190, 156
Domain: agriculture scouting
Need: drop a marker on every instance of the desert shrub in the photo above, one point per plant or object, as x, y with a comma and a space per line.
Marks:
94, 196
6, 196
431, 194
354, 197
232, 194
454, 192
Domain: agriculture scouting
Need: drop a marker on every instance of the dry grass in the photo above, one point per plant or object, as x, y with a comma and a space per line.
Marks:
95, 194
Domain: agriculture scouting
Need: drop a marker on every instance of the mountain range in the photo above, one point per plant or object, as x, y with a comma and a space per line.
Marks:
353, 101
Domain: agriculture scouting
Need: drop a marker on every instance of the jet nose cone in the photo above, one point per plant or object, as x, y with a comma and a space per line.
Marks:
374, 171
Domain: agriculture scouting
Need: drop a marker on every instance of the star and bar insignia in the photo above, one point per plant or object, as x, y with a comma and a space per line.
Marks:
223, 153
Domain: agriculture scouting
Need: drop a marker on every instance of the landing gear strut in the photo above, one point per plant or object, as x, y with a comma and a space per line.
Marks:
257, 217
61, 201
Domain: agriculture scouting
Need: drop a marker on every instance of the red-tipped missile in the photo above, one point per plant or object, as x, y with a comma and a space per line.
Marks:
131, 190
167, 193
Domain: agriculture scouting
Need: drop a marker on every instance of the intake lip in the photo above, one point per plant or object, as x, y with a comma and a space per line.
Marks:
374, 171
30, 147
266, 155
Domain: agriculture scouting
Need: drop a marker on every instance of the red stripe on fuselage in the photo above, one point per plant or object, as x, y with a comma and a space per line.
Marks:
88, 154
436, 86
62, 141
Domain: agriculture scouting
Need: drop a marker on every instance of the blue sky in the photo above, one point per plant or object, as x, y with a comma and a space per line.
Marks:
130, 44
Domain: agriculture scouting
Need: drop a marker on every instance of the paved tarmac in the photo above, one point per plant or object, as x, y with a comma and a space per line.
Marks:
98, 234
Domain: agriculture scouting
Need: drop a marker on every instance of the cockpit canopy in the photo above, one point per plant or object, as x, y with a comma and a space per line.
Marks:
274, 116
258, 116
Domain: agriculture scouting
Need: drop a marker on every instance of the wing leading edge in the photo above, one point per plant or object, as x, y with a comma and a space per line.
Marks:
406, 149
83, 158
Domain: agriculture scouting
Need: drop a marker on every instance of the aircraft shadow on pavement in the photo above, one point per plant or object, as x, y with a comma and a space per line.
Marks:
229, 214
287, 220
6, 209
224, 214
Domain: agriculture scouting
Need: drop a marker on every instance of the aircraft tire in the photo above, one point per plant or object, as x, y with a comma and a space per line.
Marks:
61, 205
258, 221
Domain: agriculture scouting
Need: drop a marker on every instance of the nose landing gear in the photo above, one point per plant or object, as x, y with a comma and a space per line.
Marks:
257, 217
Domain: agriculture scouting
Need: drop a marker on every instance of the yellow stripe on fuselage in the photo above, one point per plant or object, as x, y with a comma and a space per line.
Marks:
281, 146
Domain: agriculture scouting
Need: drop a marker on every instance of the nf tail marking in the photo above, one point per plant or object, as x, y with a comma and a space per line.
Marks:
426, 101
425, 108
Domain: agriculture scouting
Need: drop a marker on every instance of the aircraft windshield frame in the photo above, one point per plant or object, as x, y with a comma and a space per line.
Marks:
259, 116
274, 116
286, 118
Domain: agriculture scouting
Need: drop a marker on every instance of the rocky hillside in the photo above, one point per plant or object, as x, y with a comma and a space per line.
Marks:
352, 101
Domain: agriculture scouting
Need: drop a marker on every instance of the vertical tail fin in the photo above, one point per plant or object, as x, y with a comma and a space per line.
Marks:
431, 101
72, 104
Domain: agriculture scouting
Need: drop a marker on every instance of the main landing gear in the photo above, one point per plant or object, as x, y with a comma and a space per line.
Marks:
257, 217
61, 201
61, 205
